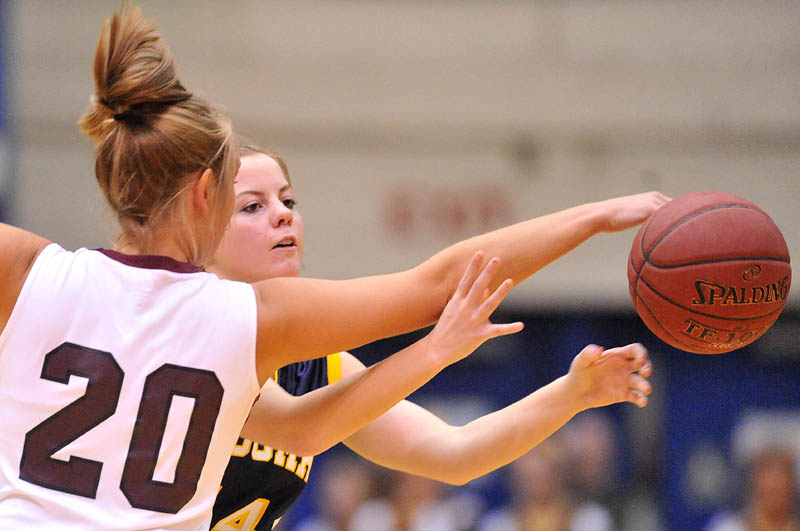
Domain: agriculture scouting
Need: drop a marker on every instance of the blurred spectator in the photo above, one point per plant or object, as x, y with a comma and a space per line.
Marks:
345, 482
591, 457
411, 503
771, 496
540, 499
355, 495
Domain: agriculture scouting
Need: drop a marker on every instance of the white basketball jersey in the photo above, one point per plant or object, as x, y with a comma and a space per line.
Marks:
124, 382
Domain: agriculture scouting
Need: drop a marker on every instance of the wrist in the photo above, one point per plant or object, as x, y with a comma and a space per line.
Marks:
573, 396
599, 217
589, 219
433, 356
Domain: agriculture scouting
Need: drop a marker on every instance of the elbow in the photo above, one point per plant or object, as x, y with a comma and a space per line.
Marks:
299, 444
309, 445
307, 448
438, 280
303, 446
457, 480
454, 475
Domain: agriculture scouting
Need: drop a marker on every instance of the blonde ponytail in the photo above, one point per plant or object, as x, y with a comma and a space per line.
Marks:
151, 135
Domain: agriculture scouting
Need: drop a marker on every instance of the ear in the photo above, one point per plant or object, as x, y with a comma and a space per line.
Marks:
202, 192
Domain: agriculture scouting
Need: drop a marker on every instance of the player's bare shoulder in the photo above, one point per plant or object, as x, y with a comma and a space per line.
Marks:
18, 251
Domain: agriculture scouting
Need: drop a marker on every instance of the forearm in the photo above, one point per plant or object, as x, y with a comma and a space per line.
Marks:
434, 449
524, 248
339, 409
495, 440
457, 455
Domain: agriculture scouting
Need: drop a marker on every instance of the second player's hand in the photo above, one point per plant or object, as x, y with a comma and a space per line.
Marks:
464, 324
601, 377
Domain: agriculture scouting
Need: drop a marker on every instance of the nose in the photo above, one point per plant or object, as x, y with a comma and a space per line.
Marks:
282, 215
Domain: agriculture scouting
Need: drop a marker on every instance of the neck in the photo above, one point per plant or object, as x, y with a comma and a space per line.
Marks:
161, 243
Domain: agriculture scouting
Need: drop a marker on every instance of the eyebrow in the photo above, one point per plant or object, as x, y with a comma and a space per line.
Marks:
261, 194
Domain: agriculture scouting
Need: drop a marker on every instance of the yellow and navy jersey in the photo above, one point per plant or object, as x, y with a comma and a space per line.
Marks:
261, 482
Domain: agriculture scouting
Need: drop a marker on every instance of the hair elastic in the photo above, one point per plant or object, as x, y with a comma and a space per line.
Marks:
121, 116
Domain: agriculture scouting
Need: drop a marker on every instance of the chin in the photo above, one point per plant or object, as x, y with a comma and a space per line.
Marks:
284, 270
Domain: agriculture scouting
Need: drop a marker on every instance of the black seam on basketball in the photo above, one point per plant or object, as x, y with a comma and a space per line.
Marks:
708, 314
717, 260
664, 328
641, 245
644, 261
635, 285
684, 220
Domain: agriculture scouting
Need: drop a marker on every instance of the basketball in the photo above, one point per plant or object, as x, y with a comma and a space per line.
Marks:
709, 272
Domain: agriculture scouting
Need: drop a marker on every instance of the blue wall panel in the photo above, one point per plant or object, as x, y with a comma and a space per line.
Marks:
5, 162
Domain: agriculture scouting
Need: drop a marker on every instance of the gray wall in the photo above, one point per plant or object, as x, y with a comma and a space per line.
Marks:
466, 114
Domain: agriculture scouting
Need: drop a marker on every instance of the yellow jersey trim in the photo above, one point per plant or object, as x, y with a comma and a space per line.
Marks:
334, 367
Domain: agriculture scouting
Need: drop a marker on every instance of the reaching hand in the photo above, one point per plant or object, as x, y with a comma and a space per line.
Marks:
631, 210
602, 377
464, 324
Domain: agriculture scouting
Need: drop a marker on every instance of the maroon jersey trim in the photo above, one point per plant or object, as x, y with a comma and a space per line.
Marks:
151, 262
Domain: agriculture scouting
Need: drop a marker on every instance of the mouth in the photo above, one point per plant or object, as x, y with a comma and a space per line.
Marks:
286, 243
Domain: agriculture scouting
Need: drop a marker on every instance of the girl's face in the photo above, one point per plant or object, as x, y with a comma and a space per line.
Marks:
265, 236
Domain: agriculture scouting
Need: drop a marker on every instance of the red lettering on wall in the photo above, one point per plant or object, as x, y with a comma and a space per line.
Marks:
413, 210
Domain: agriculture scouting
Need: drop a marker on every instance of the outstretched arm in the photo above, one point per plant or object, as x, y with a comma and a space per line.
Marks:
339, 409
350, 313
410, 438
18, 251
528, 246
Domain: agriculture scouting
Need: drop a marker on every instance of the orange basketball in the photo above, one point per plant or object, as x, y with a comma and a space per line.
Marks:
709, 272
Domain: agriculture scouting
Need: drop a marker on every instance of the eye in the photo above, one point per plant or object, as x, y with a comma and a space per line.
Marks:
289, 203
252, 208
